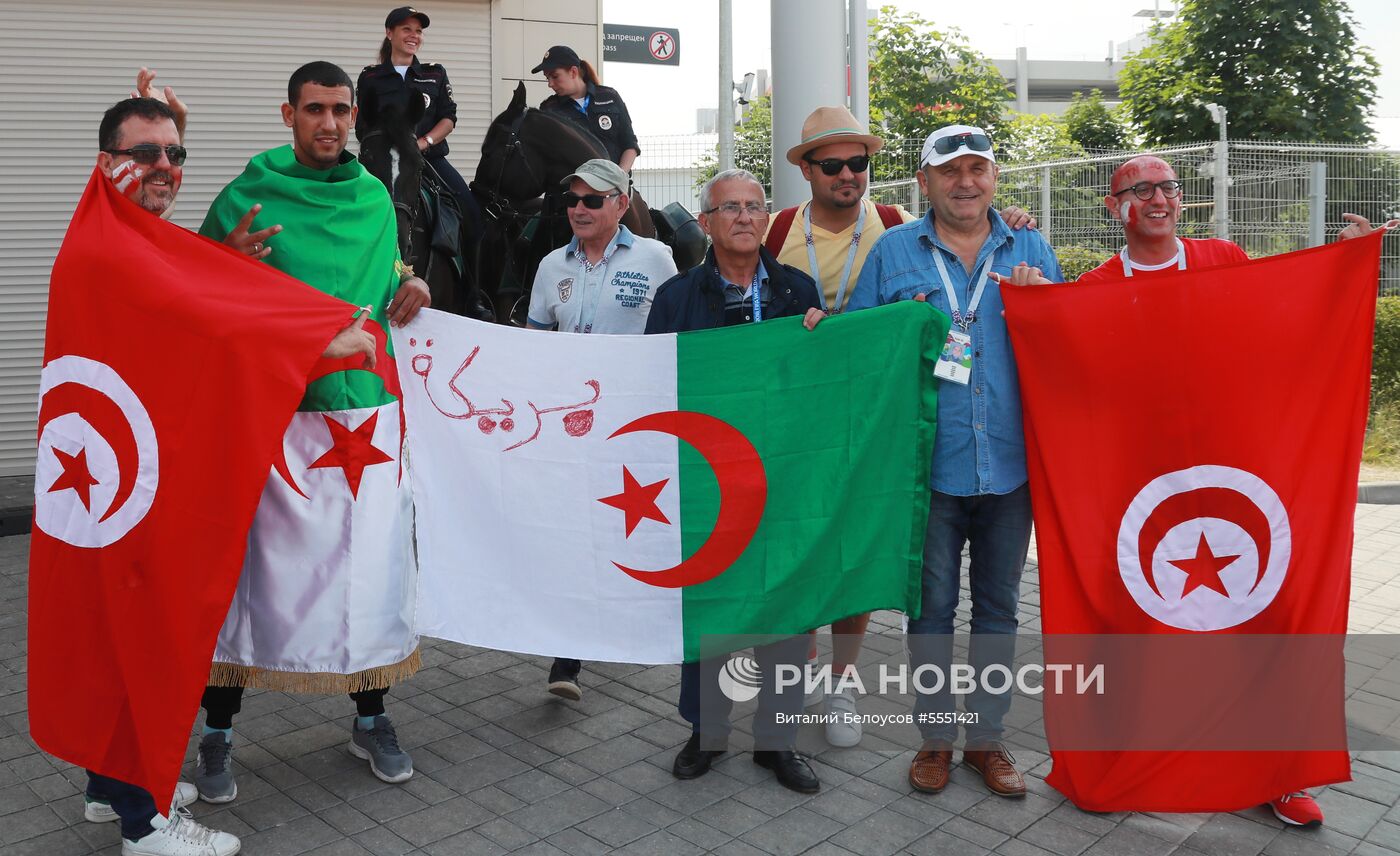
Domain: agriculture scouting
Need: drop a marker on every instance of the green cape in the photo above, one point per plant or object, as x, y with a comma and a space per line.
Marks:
338, 235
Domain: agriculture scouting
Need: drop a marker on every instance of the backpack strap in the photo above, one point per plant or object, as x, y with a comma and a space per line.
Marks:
889, 215
777, 233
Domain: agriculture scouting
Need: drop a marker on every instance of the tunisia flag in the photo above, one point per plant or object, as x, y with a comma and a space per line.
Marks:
172, 365
1193, 444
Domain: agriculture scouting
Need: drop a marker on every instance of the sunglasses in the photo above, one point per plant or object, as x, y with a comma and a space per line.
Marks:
1146, 189
591, 201
974, 142
148, 154
832, 166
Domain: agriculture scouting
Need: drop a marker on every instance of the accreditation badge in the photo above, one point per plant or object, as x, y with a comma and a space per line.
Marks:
955, 363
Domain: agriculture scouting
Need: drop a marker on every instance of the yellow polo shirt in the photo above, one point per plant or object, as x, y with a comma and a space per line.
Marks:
832, 248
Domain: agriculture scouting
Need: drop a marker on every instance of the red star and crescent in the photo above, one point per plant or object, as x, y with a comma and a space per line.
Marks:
1204, 569
352, 451
76, 476
743, 492
637, 501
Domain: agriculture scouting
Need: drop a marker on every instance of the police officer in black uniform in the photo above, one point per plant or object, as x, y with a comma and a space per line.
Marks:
400, 76
579, 97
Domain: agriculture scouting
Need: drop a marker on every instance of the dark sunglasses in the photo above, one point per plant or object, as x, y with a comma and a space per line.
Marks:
148, 154
832, 166
1146, 189
591, 201
974, 142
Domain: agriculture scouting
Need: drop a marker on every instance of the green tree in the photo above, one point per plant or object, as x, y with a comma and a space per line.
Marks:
1094, 125
752, 145
1024, 137
922, 78
1285, 70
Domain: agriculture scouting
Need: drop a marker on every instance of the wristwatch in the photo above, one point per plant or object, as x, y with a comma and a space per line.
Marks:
429, 138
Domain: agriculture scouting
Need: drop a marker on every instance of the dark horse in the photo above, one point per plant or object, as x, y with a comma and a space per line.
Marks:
525, 155
431, 237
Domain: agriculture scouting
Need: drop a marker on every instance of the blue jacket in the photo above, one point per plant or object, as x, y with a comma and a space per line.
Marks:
694, 299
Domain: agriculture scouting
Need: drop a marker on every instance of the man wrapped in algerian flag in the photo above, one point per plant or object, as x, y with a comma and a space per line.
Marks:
311, 614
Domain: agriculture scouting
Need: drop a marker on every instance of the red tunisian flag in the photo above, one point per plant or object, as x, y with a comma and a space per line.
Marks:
1193, 445
172, 365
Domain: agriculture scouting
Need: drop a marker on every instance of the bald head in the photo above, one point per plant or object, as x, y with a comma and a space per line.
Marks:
1145, 221
1132, 171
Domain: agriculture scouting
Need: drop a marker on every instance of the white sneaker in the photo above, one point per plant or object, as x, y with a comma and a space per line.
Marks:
101, 812
843, 729
179, 835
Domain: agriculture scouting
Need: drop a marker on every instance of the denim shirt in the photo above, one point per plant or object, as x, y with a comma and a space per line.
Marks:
979, 447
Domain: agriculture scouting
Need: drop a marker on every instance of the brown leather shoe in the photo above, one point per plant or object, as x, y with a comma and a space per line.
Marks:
998, 770
929, 772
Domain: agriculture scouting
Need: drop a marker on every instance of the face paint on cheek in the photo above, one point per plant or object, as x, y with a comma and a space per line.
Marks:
1128, 214
127, 178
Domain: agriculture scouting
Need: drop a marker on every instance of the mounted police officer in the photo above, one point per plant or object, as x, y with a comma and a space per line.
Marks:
579, 97
400, 76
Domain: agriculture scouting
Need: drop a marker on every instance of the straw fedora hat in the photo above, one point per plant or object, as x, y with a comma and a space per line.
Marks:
829, 125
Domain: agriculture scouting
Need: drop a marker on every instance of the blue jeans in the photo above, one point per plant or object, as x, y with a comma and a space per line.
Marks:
997, 529
706, 708
134, 806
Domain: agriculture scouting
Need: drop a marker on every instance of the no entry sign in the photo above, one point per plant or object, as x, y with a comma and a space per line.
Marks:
646, 45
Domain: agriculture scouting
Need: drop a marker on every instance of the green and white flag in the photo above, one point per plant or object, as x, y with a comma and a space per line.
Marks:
620, 497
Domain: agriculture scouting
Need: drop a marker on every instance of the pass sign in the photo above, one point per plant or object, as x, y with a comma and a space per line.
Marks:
646, 45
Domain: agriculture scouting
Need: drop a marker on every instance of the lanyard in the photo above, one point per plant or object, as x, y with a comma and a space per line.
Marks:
589, 310
961, 320
1180, 259
587, 102
753, 293
850, 257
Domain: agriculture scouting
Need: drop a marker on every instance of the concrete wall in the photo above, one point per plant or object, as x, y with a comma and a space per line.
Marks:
522, 30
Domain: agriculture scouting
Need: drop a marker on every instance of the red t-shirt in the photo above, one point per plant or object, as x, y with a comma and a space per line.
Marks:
1200, 253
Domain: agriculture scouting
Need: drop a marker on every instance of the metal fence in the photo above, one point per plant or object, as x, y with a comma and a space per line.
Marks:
1277, 197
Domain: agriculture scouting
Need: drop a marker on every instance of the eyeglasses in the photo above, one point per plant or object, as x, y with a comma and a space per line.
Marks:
1146, 189
974, 142
148, 154
732, 209
832, 166
591, 201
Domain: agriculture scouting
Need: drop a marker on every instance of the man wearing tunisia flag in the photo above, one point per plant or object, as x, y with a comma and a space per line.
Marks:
1215, 592
116, 511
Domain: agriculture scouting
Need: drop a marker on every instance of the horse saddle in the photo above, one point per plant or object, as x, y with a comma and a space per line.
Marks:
676, 227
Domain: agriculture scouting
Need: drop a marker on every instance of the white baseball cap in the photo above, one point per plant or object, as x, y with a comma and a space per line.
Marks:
954, 141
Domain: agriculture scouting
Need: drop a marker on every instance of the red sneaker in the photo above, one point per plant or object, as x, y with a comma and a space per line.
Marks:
1297, 809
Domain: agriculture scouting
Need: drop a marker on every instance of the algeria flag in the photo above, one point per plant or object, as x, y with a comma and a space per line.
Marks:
621, 498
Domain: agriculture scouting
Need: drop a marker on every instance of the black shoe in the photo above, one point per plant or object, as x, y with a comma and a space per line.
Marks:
692, 761
793, 771
563, 679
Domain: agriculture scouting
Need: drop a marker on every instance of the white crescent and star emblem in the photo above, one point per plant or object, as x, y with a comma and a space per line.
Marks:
1205, 571
98, 463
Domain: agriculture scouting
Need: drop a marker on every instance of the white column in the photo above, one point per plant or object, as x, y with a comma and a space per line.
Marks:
724, 116
858, 40
1023, 81
809, 71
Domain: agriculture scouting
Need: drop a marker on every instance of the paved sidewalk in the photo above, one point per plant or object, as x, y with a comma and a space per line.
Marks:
502, 767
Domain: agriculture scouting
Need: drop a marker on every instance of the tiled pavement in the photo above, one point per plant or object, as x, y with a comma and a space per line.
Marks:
501, 766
